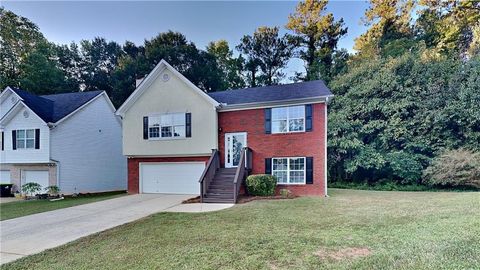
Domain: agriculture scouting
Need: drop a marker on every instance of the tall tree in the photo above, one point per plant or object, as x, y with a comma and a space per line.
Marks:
389, 22
269, 51
230, 66
318, 33
198, 66
98, 60
18, 38
450, 27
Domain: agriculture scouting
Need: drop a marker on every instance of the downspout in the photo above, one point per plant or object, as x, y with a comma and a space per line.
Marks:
57, 163
326, 145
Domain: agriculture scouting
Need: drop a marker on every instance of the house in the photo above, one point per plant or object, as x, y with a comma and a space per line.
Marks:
176, 135
70, 140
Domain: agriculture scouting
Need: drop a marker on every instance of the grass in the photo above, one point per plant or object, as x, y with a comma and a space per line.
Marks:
23, 208
352, 229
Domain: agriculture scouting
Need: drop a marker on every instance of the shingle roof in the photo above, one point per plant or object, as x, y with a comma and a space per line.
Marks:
52, 108
272, 93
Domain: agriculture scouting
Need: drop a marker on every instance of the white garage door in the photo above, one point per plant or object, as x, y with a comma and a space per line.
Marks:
171, 177
5, 177
40, 177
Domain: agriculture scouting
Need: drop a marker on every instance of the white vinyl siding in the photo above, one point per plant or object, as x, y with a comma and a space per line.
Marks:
88, 148
289, 170
26, 155
288, 119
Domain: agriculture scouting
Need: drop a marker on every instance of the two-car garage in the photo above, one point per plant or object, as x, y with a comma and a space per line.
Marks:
171, 177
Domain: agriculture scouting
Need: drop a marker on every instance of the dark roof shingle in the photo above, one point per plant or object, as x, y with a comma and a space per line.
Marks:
52, 108
272, 93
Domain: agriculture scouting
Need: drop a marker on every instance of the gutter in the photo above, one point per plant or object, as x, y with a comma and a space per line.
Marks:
258, 105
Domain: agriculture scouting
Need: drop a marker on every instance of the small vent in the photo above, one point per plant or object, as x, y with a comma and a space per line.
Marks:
26, 114
165, 77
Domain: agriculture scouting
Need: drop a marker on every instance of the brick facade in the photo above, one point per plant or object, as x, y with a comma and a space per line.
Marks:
134, 167
304, 144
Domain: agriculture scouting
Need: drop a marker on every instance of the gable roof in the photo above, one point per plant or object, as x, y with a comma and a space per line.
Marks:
162, 65
274, 93
52, 108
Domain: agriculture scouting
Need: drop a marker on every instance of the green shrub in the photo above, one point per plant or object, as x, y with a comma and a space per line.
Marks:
52, 190
459, 167
31, 188
261, 184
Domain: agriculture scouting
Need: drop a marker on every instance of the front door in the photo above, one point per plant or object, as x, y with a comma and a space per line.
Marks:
234, 142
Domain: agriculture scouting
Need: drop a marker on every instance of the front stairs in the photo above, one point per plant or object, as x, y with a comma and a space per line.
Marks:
221, 188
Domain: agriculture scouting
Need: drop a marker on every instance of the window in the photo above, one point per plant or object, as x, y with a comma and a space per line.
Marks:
166, 126
25, 138
288, 119
289, 170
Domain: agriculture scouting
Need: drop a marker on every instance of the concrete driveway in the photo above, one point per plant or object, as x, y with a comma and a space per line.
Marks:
34, 233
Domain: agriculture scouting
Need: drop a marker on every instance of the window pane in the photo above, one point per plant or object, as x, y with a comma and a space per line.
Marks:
166, 132
166, 120
154, 132
297, 177
279, 113
279, 164
20, 134
31, 133
296, 112
281, 176
154, 121
296, 125
179, 131
297, 164
279, 126
30, 143
20, 143
179, 119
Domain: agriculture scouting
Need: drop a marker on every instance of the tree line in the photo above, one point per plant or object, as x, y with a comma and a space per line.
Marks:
409, 93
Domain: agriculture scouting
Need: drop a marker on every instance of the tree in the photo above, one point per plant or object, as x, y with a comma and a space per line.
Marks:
230, 66
18, 38
318, 33
198, 66
40, 74
389, 21
449, 27
268, 51
98, 60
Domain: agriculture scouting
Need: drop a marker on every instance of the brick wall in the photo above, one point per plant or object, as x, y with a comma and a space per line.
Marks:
304, 144
134, 166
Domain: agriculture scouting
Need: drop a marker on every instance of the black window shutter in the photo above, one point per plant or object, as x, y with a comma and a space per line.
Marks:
3, 141
268, 121
308, 117
37, 138
188, 125
268, 166
145, 127
14, 139
309, 170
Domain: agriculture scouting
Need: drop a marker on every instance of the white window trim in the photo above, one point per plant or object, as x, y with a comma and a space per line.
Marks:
288, 170
25, 139
288, 120
160, 138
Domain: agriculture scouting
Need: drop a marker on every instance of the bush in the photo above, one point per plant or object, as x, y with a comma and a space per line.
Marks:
31, 188
454, 168
261, 184
52, 190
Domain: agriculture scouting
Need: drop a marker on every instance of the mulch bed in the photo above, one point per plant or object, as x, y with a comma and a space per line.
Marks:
247, 198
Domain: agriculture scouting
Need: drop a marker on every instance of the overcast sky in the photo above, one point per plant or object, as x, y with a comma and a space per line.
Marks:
202, 22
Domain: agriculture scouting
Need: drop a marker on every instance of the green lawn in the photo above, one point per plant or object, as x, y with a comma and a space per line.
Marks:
349, 230
23, 208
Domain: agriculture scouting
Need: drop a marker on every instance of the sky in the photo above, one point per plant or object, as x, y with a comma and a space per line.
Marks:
71, 21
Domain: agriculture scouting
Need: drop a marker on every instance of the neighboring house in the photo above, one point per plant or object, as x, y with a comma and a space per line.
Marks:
70, 140
175, 134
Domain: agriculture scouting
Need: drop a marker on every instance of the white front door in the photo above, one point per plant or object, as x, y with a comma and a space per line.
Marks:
234, 142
